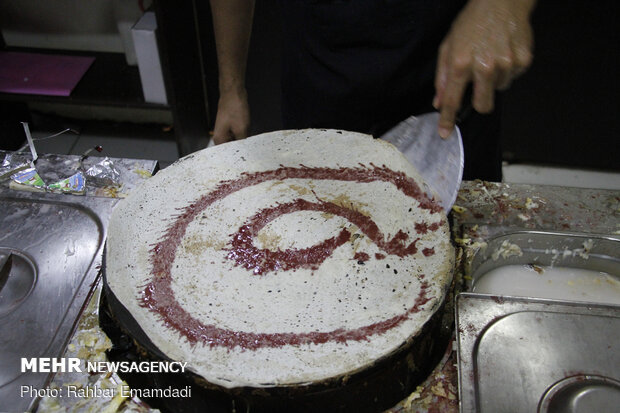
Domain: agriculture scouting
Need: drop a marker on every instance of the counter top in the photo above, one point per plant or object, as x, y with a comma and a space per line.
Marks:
55, 241
538, 207
482, 210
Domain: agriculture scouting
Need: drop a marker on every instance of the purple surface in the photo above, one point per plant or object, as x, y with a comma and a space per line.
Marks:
41, 74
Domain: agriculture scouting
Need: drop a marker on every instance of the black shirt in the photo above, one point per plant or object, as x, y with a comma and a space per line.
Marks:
365, 65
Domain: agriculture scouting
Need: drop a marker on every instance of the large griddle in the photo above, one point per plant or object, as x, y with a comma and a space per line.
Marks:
374, 388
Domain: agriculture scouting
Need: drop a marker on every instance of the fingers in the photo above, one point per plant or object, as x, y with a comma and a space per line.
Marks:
484, 85
451, 101
239, 131
441, 75
488, 45
220, 136
522, 44
490, 72
223, 133
233, 118
453, 75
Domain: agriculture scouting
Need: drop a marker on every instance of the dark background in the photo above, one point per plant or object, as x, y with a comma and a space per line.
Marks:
564, 111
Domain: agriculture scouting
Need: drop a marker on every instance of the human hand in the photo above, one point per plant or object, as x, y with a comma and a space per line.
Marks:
233, 116
490, 44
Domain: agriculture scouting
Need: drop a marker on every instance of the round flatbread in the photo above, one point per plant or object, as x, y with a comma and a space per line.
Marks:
286, 258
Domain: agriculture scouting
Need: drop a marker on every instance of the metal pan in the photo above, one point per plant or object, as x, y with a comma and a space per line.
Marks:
533, 355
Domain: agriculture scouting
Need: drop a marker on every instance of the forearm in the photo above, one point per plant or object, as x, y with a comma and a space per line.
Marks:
232, 23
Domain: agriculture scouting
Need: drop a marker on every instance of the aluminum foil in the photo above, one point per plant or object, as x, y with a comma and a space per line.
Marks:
104, 173
25, 176
11, 164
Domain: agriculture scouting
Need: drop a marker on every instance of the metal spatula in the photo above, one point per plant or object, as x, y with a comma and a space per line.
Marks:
439, 161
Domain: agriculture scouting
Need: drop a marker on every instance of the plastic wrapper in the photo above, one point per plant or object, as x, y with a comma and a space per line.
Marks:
104, 173
75, 184
29, 180
26, 178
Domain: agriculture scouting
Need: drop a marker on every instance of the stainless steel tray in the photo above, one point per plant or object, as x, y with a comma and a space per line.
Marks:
56, 243
565, 249
545, 249
528, 355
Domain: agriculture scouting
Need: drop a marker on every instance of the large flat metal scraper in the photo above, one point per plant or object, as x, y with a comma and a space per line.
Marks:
439, 161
